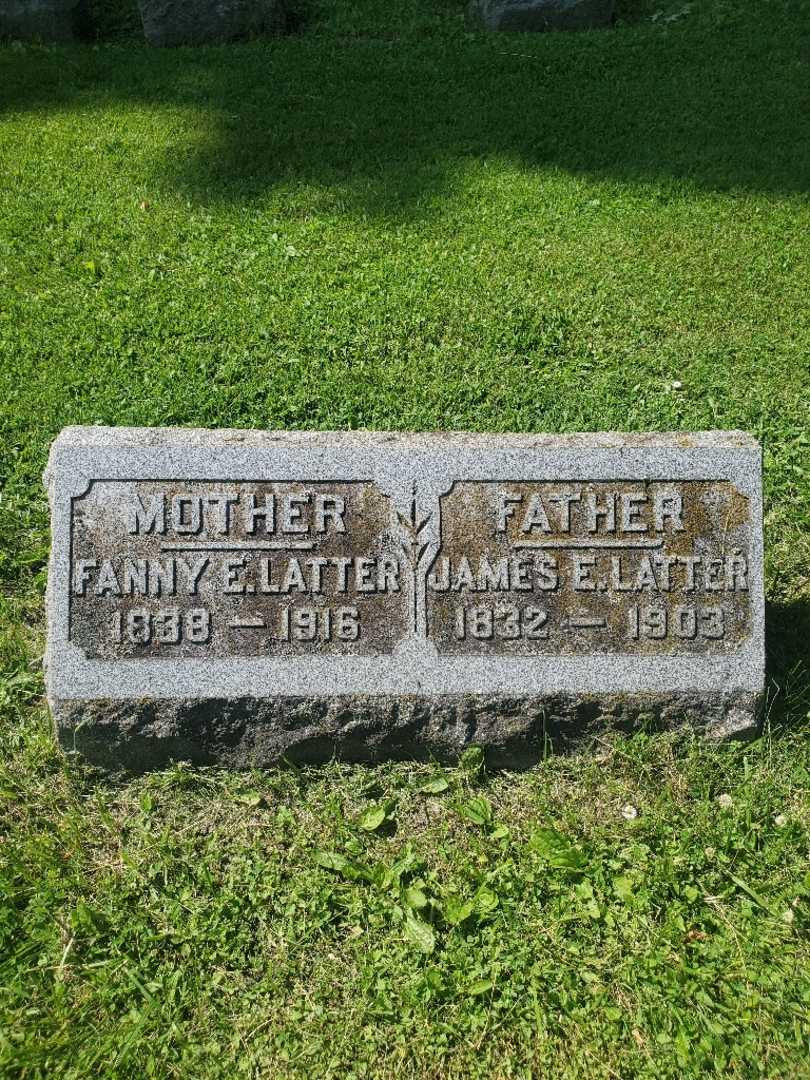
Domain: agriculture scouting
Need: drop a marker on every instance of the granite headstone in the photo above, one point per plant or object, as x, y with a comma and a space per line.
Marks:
199, 22
238, 596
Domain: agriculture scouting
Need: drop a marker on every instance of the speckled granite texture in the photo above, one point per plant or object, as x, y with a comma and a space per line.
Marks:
236, 597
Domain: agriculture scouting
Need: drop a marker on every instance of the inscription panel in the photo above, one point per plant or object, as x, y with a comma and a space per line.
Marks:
212, 569
528, 569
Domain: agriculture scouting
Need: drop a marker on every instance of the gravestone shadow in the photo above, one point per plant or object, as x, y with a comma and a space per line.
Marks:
787, 642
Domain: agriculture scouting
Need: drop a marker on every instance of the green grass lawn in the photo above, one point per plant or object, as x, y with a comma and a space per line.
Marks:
390, 221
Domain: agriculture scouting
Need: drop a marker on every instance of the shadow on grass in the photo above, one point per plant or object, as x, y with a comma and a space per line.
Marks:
787, 637
384, 123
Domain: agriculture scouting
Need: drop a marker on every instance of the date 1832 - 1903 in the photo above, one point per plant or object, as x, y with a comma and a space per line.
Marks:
509, 622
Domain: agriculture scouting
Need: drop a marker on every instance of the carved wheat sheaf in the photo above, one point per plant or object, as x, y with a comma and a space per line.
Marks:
414, 547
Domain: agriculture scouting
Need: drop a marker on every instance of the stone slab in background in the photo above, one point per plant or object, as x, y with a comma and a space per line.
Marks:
226, 596
40, 20
540, 15
199, 22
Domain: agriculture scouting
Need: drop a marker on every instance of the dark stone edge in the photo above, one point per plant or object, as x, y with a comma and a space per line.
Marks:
538, 18
135, 736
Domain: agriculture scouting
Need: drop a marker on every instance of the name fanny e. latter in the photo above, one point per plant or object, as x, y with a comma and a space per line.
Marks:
238, 596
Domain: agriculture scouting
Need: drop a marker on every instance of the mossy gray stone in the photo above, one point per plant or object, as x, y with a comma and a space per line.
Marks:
241, 596
199, 22
515, 732
540, 15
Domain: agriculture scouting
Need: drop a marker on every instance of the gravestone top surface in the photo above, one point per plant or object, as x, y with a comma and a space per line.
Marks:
182, 437
239, 595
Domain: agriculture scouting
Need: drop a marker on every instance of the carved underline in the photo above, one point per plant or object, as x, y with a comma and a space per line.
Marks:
263, 545
589, 543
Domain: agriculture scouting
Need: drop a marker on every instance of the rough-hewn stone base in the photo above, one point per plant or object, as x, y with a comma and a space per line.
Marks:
243, 732
539, 15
